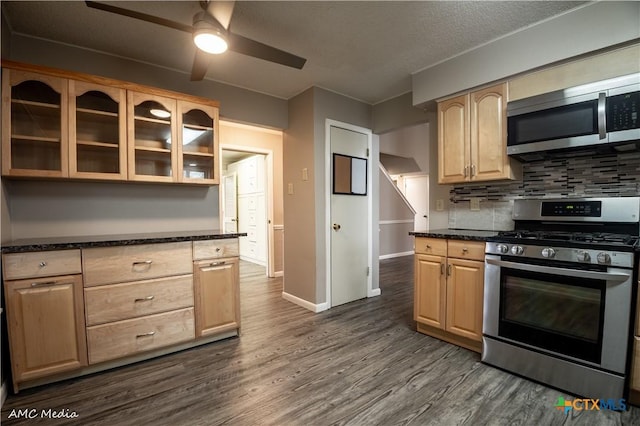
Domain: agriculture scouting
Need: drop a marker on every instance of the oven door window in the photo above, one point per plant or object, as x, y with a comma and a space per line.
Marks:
557, 313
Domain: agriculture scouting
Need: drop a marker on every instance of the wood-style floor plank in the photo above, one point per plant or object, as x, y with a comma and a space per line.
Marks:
362, 363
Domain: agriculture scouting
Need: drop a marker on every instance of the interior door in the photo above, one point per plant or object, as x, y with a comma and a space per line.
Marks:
349, 215
416, 190
230, 211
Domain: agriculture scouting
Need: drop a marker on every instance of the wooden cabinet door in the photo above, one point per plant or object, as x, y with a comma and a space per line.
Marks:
34, 124
97, 131
217, 296
465, 287
152, 138
453, 140
46, 326
198, 153
488, 134
429, 303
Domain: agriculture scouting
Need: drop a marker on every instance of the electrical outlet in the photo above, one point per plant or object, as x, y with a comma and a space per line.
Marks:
439, 205
305, 174
290, 189
474, 204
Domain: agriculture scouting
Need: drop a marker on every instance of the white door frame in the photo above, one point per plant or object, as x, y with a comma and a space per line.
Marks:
268, 153
327, 216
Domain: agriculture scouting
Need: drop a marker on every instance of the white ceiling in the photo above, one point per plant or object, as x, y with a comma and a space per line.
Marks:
365, 50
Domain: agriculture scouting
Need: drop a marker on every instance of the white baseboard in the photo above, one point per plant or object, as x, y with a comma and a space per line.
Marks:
392, 255
373, 292
304, 303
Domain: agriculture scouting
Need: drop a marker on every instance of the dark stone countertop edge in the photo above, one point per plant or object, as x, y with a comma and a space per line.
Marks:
458, 234
34, 244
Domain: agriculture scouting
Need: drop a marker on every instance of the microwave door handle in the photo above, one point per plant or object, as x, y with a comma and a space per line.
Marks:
602, 116
594, 275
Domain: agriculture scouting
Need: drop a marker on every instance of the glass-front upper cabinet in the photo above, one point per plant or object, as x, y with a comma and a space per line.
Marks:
34, 124
152, 138
97, 131
198, 149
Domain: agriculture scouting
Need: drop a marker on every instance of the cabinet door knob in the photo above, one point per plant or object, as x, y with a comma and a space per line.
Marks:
465, 250
428, 246
42, 264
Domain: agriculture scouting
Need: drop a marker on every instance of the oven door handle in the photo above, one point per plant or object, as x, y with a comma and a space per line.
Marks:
607, 276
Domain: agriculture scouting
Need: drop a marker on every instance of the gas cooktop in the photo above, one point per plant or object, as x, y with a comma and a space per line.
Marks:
573, 239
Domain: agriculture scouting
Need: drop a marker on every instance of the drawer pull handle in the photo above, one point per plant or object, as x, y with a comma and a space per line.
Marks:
428, 246
217, 263
44, 284
151, 333
143, 262
465, 250
217, 249
144, 299
448, 270
442, 269
42, 264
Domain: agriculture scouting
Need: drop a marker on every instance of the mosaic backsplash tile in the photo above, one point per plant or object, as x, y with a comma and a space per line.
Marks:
615, 175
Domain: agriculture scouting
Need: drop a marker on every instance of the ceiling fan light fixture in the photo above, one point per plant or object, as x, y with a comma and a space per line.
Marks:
207, 36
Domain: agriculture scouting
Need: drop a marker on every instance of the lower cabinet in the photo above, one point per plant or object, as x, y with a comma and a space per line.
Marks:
634, 382
217, 297
107, 306
449, 286
46, 326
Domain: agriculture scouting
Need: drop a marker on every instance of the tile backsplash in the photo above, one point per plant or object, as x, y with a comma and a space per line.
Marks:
614, 175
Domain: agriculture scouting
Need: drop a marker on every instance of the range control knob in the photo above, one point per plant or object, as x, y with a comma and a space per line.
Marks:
583, 256
604, 258
502, 248
548, 252
517, 250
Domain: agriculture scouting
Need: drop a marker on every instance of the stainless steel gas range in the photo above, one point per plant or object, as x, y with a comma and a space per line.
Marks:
559, 293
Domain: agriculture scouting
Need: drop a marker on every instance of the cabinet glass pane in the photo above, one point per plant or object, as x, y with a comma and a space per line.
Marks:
197, 145
152, 140
35, 127
97, 130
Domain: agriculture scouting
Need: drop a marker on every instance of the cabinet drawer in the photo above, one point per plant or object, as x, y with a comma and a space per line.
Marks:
117, 302
128, 337
211, 249
108, 265
435, 246
41, 264
473, 250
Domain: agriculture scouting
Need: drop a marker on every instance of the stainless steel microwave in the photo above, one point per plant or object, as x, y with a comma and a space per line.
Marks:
595, 114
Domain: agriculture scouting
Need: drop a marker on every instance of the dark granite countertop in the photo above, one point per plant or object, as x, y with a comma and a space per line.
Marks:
65, 243
458, 234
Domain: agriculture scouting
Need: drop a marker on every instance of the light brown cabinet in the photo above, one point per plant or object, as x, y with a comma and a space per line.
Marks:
97, 131
449, 285
45, 314
35, 127
58, 124
217, 296
472, 138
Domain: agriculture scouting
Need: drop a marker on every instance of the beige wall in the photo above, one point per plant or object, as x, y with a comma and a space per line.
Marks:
299, 207
234, 136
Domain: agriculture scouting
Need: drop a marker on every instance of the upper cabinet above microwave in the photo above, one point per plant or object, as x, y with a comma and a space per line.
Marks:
472, 138
58, 124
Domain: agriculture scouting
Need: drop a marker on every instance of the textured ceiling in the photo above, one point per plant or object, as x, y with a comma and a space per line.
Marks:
365, 50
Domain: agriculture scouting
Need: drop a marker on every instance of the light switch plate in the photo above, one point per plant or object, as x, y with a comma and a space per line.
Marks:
305, 174
474, 204
290, 189
439, 205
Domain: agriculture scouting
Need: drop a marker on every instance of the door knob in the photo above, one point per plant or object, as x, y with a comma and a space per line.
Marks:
336, 227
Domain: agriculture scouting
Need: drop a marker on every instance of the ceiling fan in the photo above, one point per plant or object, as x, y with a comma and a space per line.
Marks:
211, 25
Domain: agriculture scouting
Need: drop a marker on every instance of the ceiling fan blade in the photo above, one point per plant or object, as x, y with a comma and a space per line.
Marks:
139, 15
221, 11
246, 46
200, 65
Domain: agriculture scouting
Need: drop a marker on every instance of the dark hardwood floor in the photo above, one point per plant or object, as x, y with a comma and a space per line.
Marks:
358, 364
